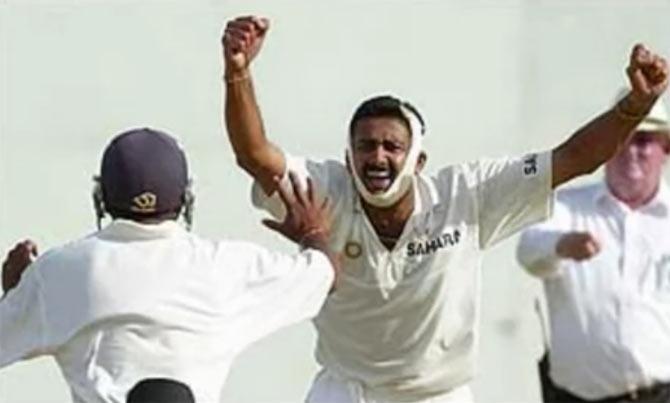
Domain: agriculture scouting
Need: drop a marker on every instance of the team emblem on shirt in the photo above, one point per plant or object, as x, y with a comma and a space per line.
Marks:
353, 249
428, 246
530, 165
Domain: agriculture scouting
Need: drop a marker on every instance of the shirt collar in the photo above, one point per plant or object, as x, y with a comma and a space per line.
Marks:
659, 205
127, 230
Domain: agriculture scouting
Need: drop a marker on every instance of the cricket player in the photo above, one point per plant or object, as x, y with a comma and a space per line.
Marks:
402, 325
143, 298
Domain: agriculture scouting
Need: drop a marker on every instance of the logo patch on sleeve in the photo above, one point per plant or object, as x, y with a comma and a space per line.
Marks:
530, 165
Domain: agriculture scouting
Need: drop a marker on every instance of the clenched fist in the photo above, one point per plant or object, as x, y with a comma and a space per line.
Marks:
648, 76
577, 246
242, 39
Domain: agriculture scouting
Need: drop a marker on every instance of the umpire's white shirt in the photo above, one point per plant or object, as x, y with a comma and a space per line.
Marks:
135, 301
610, 315
403, 322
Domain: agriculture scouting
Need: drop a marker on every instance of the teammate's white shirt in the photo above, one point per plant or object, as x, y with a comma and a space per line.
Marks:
135, 301
610, 315
330, 388
403, 322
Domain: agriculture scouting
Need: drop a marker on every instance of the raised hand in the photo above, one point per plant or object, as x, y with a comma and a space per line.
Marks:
647, 73
648, 76
306, 221
16, 262
577, 246
242, 40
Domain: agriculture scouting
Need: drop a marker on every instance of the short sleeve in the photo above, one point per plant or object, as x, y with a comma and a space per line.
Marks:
273, 290
23, 332
327, 177
512, 194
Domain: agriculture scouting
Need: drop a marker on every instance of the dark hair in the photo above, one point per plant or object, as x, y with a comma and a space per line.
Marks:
385, 106
160, 390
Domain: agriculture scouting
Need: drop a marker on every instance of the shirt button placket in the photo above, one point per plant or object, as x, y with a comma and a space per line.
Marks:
629, 273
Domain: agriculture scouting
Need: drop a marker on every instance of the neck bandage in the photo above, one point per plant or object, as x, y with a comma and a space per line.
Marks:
402, 183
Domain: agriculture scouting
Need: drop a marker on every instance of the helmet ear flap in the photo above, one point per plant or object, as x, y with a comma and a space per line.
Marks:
98, 201
189, 203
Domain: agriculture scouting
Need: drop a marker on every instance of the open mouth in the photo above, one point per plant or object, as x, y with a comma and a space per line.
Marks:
377, 179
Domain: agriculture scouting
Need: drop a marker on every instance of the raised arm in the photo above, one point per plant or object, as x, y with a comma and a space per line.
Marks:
600, 139
242, 40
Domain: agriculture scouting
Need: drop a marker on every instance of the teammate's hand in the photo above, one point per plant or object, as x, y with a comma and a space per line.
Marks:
16, 262
307, 222
648, 75
577, 246
242, 39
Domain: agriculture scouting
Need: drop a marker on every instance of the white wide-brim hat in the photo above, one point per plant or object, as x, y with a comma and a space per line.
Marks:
656, 120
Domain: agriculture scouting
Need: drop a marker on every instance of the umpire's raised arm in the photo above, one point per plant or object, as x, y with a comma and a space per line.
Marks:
242, 39
599, 140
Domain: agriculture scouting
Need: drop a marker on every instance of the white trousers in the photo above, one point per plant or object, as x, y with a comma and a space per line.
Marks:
329, 388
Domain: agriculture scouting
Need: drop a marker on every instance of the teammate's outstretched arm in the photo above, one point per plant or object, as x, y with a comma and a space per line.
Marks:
599, 140
242, 39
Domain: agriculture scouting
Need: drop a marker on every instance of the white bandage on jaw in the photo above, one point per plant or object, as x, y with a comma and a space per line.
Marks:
402, 183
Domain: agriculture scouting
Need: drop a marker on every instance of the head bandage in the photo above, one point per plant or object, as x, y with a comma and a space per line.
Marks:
402, 183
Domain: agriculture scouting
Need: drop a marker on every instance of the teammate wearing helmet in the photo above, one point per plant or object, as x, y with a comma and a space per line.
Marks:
143, 298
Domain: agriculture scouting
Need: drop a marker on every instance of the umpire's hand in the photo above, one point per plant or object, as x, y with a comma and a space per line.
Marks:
577, 246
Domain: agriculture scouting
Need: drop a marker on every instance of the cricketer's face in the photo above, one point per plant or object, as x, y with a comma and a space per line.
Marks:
379, 150
639, 164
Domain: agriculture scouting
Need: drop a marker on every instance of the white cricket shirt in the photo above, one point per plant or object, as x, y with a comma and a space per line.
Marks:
610, 315
135, 301
403, 322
